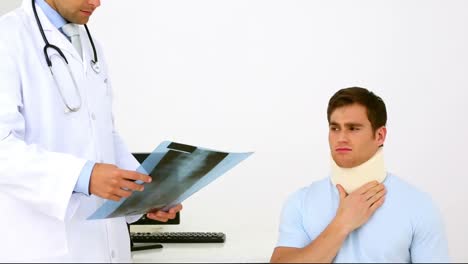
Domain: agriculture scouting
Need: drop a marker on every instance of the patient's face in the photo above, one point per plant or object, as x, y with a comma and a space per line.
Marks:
351, 139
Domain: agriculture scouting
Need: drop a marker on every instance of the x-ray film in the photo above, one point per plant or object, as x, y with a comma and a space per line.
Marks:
177, 172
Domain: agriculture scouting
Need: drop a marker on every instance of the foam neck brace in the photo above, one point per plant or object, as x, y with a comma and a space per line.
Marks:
353, 178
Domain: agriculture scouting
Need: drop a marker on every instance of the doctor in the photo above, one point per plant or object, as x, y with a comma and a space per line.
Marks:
60, 156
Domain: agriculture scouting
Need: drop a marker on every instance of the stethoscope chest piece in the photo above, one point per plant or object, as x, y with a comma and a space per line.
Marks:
95, 66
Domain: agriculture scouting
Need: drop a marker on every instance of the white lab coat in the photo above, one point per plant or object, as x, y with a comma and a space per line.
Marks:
43, 150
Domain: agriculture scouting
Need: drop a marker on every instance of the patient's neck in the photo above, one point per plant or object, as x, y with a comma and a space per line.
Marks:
353, 178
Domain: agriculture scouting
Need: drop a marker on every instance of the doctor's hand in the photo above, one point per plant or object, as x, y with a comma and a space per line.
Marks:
356, 208
109, 182
164, 216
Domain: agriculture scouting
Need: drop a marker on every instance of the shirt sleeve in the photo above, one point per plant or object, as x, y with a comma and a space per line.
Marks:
82, 185
291, 229
429, 242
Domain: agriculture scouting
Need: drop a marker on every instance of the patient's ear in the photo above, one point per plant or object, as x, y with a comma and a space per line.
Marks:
380, 135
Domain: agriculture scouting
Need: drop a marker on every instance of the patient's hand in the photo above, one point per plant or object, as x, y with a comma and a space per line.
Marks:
162, 216
356, 208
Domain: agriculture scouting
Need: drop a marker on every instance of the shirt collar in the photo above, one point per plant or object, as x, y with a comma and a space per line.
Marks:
54, 17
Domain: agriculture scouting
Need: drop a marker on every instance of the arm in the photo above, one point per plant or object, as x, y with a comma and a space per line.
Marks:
429, 242
42, 179
124, 159
354, 210
323, 249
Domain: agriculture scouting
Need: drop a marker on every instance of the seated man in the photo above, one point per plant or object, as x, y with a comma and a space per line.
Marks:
361, 213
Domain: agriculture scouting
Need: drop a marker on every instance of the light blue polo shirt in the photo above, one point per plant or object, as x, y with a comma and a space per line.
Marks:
406, 228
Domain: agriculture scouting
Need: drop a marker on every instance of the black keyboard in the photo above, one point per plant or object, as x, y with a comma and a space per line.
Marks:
177, 237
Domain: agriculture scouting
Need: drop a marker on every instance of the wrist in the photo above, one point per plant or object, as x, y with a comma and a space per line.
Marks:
341, 227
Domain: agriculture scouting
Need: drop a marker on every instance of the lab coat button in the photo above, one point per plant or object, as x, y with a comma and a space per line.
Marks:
113, 253
93, 116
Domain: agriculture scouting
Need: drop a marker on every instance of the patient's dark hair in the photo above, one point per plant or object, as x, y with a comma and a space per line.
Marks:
376, 111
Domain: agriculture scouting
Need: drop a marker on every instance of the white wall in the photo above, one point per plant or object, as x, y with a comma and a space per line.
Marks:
257, 75
7, 5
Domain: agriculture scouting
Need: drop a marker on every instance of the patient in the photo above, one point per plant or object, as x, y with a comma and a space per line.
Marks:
361, 213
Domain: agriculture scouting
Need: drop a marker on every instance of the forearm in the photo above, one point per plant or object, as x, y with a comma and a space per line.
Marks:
323, 249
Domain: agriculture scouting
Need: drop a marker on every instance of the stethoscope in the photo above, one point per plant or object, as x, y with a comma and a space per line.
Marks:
94, 63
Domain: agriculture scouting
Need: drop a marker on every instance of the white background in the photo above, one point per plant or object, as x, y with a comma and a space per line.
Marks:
257, 76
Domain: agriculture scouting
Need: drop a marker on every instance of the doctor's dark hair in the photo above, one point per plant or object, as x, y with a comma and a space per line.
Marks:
376, 111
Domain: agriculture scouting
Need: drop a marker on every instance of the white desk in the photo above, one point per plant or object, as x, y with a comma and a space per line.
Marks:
240, 246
